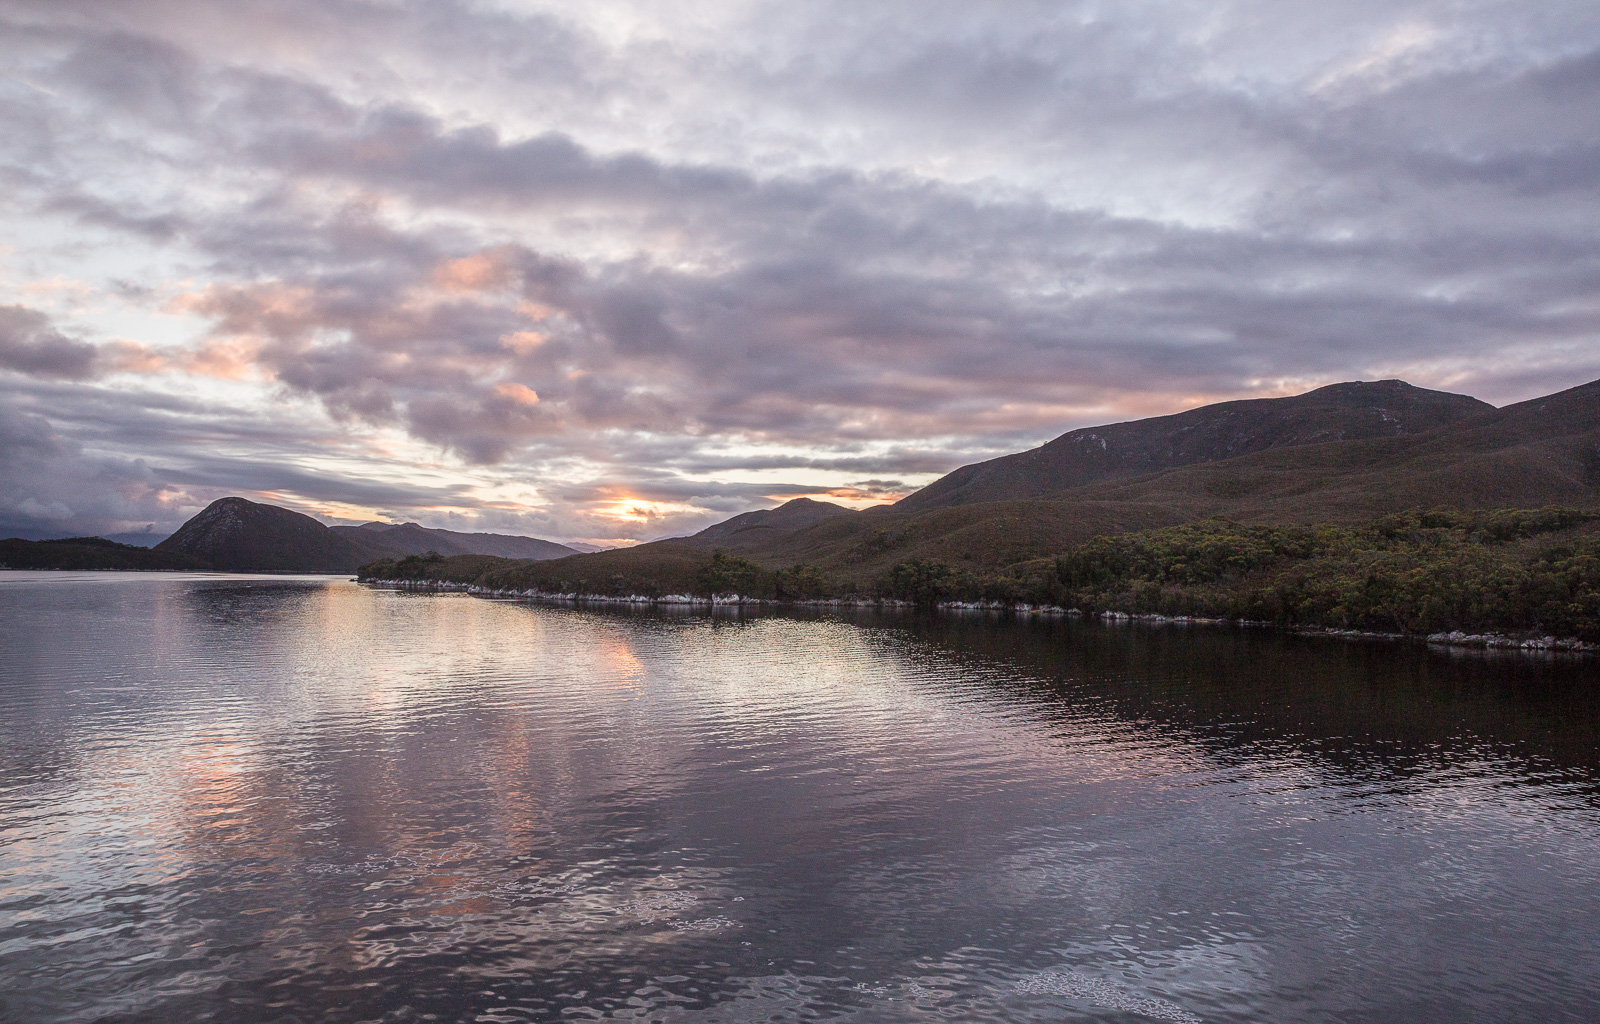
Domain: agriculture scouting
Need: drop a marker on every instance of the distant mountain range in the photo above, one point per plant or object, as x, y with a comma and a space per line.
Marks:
770, 523
238, 535
1342, 453
397, 541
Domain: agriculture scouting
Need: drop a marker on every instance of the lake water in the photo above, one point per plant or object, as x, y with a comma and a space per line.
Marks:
279, 799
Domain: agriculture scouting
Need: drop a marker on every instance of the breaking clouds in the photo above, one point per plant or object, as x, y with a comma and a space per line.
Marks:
617, 271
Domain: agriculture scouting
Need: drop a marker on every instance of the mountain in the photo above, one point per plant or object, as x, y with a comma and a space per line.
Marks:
1344, 454
144, 539
397, 541
764, 523
237, 535
1541, 452
1339, 412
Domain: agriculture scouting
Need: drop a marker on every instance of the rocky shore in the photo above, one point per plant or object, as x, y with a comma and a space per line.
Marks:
1478, 641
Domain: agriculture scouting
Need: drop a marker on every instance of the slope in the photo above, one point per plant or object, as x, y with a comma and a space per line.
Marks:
1338, 412
397, 541
238, 535
753, 528
1537, 453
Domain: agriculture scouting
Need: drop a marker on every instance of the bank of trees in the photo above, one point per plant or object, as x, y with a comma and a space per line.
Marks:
1418, 571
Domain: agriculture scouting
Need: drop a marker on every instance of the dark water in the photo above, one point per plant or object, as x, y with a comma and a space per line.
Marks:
301, 800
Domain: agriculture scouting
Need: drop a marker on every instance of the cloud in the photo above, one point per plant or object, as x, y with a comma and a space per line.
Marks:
696, 261
50, 487
30, 344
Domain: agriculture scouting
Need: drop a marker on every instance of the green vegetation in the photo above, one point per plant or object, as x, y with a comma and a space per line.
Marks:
433, 566
726, 575
1414, 572
82, 553
921, 582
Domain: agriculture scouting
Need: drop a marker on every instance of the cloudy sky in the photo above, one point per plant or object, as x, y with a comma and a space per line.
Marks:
616, 269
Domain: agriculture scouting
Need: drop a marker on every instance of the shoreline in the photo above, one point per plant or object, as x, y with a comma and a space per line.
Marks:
1456, 639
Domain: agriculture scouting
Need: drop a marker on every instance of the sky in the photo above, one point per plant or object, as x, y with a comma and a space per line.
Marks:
616, 270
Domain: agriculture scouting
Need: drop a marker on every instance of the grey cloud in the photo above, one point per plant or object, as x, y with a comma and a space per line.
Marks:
99, 212
50, 486
30, 344
934, 227
136, 74
398, 146
59, 474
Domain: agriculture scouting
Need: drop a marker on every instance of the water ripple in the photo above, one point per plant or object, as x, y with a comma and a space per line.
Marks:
245, 799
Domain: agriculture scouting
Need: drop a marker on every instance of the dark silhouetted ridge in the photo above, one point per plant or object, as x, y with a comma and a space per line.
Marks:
238, 535
397, 541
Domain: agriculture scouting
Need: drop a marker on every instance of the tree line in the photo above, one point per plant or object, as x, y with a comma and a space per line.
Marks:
1417, 571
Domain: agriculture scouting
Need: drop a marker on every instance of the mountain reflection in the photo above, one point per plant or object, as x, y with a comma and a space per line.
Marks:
252, 798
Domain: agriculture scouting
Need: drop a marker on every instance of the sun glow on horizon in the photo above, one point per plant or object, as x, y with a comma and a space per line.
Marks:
645, 510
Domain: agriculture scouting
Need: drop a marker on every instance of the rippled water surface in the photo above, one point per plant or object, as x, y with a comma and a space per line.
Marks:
260, 799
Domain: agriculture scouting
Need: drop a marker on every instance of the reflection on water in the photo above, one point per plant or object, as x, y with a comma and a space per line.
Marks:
299, 799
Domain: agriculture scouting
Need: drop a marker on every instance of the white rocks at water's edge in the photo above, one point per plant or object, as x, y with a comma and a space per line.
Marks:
1501, 641
719, 601
1480, 641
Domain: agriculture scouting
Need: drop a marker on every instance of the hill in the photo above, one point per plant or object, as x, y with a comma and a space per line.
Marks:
1339, 412
413, 539
238, 535
1339, 455
753, 528
1534, 454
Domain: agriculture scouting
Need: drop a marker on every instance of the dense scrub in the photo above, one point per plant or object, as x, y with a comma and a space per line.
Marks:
1411, 572
1417, 571
91, 553
434, 566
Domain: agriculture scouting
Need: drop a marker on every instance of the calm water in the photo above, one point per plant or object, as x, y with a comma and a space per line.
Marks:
302, 800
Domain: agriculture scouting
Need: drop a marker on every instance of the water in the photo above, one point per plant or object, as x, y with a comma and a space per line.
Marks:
302, 800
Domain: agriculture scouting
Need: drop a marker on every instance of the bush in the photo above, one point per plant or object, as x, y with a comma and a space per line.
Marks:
1415, 571
920, 581
727, 575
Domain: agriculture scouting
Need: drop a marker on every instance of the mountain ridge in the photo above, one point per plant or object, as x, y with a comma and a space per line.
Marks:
238, 535
794, 514
1341, 453
1459, 454
401, 539
235, 534
1354, 410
